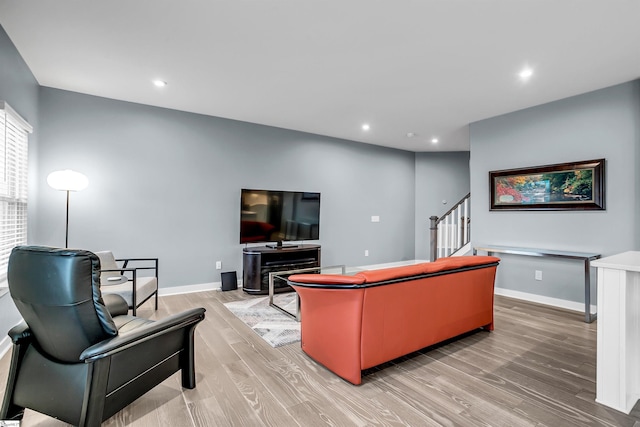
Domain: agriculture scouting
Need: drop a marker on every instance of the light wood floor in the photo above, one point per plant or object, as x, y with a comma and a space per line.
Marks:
536, 369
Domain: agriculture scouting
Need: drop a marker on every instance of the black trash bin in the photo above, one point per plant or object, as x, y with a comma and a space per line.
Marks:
229, 280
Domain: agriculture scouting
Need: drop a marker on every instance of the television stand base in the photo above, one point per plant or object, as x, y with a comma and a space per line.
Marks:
258, 262
280, 246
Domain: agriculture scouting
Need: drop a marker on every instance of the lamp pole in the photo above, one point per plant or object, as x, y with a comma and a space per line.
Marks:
67, 180
66, 237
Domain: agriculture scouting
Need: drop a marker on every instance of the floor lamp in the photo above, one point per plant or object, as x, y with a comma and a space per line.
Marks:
67, 180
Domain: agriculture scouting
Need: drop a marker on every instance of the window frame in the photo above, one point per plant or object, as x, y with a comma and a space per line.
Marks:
14, 170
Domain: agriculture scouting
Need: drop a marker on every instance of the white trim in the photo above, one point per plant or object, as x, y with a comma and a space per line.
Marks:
188, 289
17, 117
540, 299
464, 250
389, 264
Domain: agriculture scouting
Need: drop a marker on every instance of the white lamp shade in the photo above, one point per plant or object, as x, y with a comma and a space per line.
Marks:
67, 180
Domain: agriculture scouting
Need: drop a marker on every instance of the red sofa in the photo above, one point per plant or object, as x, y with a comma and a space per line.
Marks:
352, 323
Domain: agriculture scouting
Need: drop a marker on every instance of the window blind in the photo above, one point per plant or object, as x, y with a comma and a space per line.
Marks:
14, 135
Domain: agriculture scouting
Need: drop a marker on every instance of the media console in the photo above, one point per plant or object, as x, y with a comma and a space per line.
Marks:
259, 261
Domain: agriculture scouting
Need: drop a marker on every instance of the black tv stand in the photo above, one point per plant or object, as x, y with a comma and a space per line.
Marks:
259, 261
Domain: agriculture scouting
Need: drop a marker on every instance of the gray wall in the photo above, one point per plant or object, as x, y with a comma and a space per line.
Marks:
439, 177
600, 124
19, 89
167, 183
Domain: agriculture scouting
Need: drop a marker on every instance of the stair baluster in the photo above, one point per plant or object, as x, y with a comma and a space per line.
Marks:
452, 231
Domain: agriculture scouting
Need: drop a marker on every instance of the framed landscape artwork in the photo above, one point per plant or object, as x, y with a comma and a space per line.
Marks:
565, 186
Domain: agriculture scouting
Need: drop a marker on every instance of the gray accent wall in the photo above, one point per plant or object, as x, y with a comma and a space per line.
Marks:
19, 89
442, 180
166, 184
600, 124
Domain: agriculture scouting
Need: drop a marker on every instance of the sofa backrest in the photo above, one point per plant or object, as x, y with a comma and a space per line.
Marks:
411, 314
441, 265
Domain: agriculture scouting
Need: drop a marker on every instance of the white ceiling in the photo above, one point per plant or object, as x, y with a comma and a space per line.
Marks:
429, 67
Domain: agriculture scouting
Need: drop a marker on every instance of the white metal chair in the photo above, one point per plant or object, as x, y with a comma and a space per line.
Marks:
126, 280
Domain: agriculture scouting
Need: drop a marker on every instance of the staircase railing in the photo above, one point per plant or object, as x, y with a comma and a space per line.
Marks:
452, 230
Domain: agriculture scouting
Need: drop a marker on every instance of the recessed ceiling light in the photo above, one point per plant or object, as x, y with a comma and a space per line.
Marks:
525, 74
366, 126
434, 140
159, 83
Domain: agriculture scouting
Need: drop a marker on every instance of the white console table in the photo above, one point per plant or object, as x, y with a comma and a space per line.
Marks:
585, 257
618, 354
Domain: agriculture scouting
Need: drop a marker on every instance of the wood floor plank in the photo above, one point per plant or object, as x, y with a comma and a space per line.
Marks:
467, 392
427, 401
556, 400
267, 407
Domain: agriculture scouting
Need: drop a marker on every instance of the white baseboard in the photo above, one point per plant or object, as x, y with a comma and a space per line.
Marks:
390, 264
463, 251
187, 289
540, 299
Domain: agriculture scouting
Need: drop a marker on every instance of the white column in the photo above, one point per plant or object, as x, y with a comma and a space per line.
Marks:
618, 348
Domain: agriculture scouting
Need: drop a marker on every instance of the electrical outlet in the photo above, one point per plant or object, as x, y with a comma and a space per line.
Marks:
218, 265
375, 218
366, 252
538, 275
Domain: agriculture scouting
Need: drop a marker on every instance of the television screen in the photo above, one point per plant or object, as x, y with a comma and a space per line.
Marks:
277, 216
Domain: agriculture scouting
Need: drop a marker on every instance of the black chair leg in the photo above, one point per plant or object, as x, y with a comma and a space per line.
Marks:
95, 394
187, 360
9, 410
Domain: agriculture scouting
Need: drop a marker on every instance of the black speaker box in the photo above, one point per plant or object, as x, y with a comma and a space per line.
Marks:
229, 281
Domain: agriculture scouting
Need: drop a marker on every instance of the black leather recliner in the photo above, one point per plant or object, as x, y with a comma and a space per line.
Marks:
78, 357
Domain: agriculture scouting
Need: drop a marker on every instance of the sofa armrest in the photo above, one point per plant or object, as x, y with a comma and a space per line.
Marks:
325, 280
331, 326
144, 333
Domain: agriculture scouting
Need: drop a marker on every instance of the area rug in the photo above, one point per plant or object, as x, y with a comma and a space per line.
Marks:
269, 323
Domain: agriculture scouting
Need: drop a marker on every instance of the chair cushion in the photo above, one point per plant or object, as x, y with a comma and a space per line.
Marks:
115, 304
108, 262
126, 323
146, 286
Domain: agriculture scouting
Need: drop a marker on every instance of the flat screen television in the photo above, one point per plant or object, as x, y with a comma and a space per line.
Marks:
268, 216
